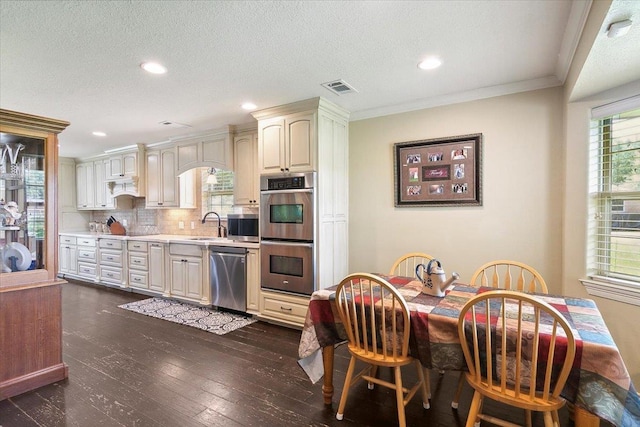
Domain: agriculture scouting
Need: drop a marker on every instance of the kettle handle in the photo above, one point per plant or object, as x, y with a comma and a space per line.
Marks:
418, 273
429, 265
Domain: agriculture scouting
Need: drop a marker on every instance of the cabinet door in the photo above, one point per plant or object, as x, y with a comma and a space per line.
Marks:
271, 146
253, 281
299, 146
156, 267
245, 189
116, 168
102, 194
178, 275
194, 282
187, 156
130, 164
168, 179
68, 259
85, 185
154, 186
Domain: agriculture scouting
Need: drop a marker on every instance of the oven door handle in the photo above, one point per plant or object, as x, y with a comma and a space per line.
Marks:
298, 190
283, 243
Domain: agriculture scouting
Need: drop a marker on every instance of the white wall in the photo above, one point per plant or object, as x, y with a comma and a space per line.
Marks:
522, 188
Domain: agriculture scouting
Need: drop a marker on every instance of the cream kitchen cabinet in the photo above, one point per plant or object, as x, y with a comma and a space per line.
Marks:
253, 281
157, 267
123, 165
87, 258
246, 190
111, 262
165, 189
103, 198
283, 308
68, 256
288, 143
187, 271
162, 182
213, 149
85, 185
138, 264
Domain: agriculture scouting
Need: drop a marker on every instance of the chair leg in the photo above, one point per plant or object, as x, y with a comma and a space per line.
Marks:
345, 389
456, 397
548, 419
474, 410
527, 414
423, 376
402, 422
373, 372
556, 418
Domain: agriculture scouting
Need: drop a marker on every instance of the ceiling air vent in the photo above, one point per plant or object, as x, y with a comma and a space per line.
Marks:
339, 87
174, 124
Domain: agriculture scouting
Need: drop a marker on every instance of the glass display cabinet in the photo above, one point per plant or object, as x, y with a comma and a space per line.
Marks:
30, 292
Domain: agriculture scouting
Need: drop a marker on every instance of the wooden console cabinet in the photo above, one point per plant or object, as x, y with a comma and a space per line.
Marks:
31, 300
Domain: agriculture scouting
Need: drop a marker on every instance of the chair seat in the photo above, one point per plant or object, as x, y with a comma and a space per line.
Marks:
524, 401
379, 359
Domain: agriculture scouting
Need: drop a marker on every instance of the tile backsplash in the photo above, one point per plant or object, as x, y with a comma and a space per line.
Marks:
140, 220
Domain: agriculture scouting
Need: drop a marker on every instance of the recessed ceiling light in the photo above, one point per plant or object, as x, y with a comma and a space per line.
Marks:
153, 67
98, 133
430, 63
249, 106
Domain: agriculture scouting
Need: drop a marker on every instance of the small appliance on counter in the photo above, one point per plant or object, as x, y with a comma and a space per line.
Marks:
243, 227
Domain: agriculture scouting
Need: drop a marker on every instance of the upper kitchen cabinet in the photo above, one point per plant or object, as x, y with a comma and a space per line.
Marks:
213, 149
288, 144
125, 171
246, 189
165, 189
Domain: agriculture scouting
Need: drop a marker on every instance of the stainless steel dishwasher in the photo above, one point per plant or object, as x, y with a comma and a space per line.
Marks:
228, 277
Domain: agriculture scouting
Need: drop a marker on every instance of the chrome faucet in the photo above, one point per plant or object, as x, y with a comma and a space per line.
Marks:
220, 227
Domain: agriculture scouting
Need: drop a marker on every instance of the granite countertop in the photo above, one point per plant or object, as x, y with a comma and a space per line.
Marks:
169, 238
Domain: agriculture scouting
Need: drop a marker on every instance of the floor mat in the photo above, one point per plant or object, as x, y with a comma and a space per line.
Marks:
205, 318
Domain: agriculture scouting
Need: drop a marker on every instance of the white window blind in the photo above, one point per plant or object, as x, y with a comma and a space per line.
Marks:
614, 190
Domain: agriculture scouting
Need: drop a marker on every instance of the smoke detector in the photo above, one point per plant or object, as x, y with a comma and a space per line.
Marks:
339, 87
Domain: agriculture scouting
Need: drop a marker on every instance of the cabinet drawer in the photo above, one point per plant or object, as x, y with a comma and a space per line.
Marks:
69, 240
111, 275
87, 254
287, 310
186, 250
83, 241
138, 279
138, 261
111, 257
87, 270
135, 246
111, 244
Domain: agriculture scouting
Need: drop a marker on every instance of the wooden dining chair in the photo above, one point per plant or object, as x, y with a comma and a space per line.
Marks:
407, 263
376, 319
509, 275
526, 367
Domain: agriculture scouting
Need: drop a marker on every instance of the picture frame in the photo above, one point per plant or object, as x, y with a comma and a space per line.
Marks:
439, 172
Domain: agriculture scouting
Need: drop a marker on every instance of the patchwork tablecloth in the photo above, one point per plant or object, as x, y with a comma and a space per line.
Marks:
599, 382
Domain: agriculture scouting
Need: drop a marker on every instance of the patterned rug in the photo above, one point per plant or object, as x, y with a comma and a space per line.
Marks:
207, 319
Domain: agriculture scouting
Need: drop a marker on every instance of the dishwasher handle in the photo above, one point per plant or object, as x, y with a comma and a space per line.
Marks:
228, 250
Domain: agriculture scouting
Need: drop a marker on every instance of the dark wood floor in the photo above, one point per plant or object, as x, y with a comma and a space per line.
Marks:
127, 369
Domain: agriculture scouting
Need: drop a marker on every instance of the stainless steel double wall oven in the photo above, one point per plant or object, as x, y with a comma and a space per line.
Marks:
287, 224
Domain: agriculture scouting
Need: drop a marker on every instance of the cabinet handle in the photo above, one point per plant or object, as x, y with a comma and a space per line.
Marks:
109, 275
159, 204
136, 261
285, 308
110, 258
137, 279
155, 245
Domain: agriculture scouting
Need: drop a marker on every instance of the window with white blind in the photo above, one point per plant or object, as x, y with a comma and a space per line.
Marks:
614, 197
217, 194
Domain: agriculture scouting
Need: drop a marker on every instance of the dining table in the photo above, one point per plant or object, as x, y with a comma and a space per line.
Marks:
598, 387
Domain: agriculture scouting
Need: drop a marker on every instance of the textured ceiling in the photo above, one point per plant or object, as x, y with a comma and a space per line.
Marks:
79, 60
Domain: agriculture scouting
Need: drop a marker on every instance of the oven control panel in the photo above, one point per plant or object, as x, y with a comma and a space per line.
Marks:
287, 182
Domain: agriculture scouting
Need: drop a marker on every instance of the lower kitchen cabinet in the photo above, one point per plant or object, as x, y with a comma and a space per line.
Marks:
283, 308
253, 281
68, 255
138, 264
156, 267
87, 258
111, 262
187, 272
